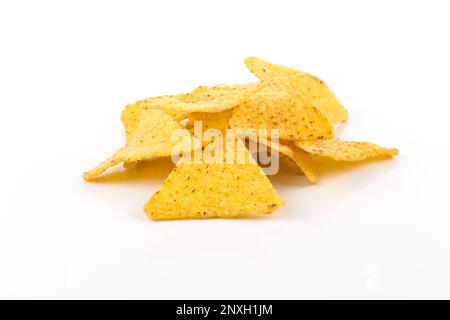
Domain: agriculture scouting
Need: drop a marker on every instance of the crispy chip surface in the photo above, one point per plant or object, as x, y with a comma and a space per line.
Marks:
264, 70
152, 138
131, 116
340, 150
295, 117
205, 99
215, 121
300, 160
218, 120
213, 190
309, 86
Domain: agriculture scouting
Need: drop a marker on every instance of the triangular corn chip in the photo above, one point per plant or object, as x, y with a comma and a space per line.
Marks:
214, 121
320, 94
213, 190
131, 116
340, 150
218, 120
205, 99
206, 93
265, 70
298, 159
152, 138
309, 86
294, 116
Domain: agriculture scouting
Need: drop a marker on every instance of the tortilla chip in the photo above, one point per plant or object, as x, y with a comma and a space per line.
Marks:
205, 99
152, 138
301, 159
217, 120
340, 150
131, 116
304, 84
271, 108
289, 163
298, 159
264, 70
213, 190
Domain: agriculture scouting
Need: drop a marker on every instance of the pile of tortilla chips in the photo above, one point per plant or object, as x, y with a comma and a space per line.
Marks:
300, 106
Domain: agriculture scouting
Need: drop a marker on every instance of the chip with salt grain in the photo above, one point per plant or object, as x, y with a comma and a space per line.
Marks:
213, 190
205, 99
298, 159
218, 120
295, 117
301, 159
131, 116
152, 138
307, 85
341, 150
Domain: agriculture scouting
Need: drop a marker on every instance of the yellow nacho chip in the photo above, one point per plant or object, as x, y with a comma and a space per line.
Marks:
208, 120
264, 70
298, 159
205, 93
214, 190
340, 150
320, 94
309, 86
289, 163
205, 99
295, 117
131, 116
176, 114
152, 138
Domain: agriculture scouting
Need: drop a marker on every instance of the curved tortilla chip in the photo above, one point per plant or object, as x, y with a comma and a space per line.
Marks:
264, 70
300, 160
340, 150
152, 138
295, 117
217, 120
131, 116
309, 86
205, 99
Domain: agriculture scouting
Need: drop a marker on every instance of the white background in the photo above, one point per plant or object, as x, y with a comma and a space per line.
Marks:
374, 230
